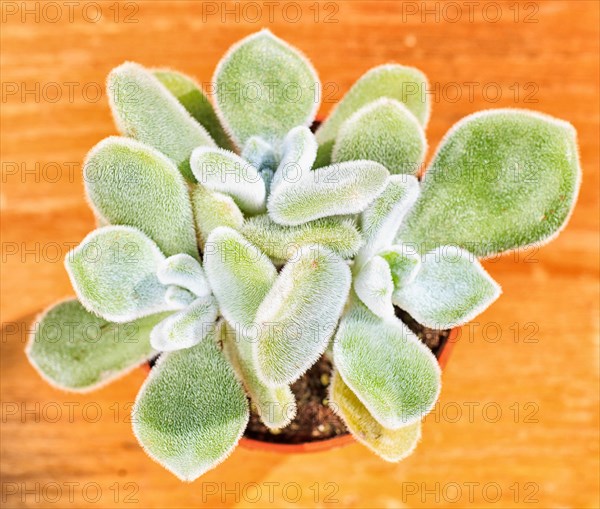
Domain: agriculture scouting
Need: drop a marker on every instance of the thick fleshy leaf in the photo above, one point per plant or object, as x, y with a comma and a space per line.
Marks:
211, 210
390, 444
450, 289
395, 376
185, 271
261, 155
225, 172
500, 180
281, 243
374, 286
187, 327
239, 274
298, 155
191, 411
132, 184
299, 314
146, 110
405, 84
76, 350
404, 264
276, 406
241, 277
380, 222
384, 131
179, 298
193, 99
339, 189
113, 272
264, 87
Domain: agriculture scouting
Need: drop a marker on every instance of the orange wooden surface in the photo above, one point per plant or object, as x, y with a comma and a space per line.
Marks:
517, 424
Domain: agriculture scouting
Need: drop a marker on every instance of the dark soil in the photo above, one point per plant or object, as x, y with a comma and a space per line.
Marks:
315, 420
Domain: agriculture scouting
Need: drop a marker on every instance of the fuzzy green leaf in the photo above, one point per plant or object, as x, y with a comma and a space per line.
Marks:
299, 314
178, 298
384, 131
405, 84
185, 271
76, 350
225, 172
395, 376
501, 179
282, 242
187, 327
264, 87
276, 406
193, 99
132, 184
113, 272
211, 210
299, 152
391, 445
261, 155
380, 222
146, 110
191, 411
404, 263
239, 274
374, 286
339, 189
450, 289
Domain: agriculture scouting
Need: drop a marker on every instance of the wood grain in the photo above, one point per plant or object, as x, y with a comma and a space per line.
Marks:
531, 437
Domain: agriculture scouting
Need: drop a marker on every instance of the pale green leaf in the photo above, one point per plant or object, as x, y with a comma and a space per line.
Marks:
380, 222
500, 180
450, 289
146, 110
191, 411
187, 327
390, 444
239, 274
384, 131
211, 210
76, 350
190, 95
132, 184
404, 263
299, 314
276, 406
185, 271
405, 84
298, 155
281, 243
264, 87
374, 286
113, 272
339, 189
395, 376
261, 155
178, 298
225, 172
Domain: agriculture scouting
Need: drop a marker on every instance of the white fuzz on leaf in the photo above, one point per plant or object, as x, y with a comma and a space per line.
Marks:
374, 286
225, 172
384, 131
113, 272
391, 445
264, 87
450, 288
146, 110
191, 411
339, 189
75, 350
298, 155
185, 271
404, 263
132, 184
395, 376
299, 314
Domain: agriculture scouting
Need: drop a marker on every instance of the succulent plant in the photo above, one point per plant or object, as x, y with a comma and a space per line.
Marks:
243, 247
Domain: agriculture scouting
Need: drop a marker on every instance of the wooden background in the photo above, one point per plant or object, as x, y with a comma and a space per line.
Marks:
517, 424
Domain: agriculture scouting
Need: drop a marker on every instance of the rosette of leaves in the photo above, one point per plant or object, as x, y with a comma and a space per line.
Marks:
240, 246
